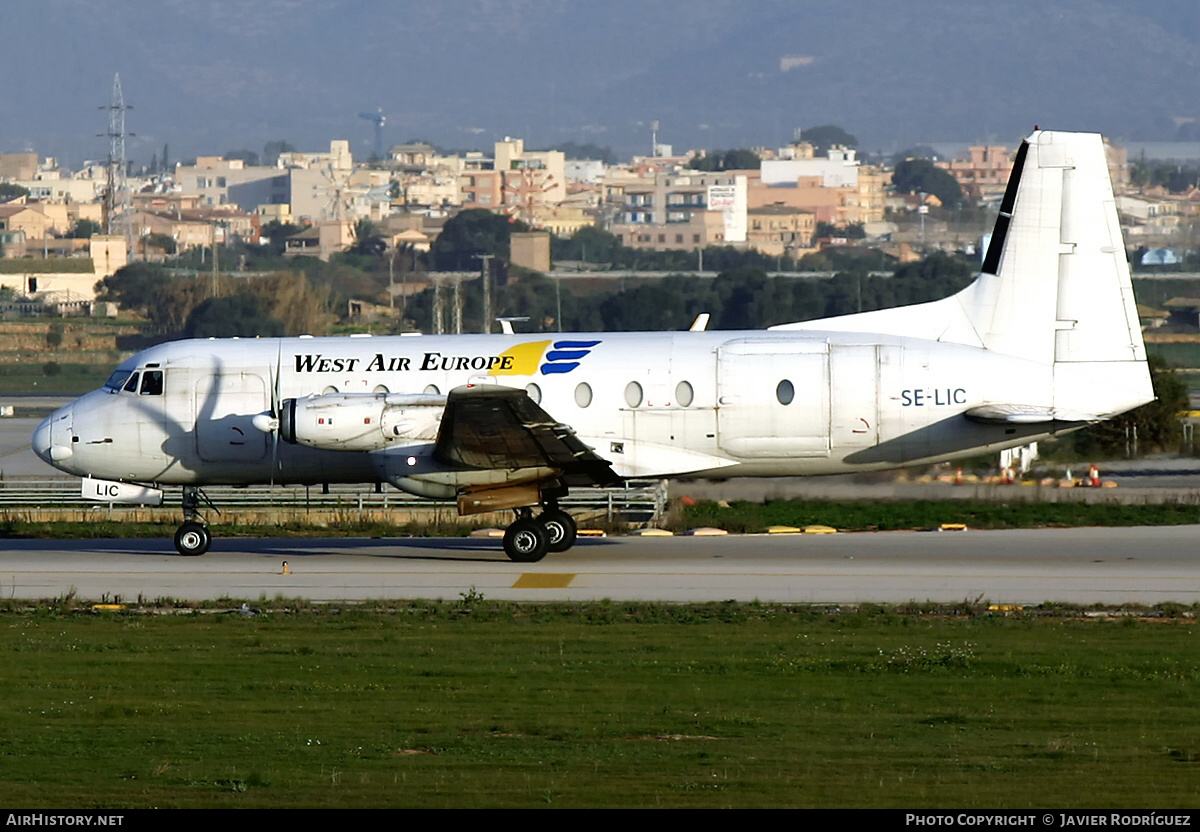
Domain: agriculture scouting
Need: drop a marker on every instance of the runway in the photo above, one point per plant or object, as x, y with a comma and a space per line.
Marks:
1109, 565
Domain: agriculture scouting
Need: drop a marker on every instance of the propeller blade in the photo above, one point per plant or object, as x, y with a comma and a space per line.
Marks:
274, 423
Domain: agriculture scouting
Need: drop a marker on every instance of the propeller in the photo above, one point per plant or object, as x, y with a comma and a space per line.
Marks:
269, 422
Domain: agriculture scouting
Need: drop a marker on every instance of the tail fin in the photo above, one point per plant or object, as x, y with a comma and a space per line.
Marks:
1054, 288
1055, 282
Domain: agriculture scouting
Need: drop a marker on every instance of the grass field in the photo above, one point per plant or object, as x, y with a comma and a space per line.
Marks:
864, 515
483, 704
738, 517
70, 379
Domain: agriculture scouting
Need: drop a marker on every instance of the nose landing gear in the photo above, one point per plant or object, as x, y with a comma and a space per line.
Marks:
193, 537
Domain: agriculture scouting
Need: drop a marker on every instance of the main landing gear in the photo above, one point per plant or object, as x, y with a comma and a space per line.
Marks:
529, 538
193, 537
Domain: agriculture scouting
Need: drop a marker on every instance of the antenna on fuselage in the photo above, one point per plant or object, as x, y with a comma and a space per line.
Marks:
700, 324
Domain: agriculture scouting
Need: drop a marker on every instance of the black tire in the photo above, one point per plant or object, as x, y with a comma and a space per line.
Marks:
560, 529
526, 541
192, 539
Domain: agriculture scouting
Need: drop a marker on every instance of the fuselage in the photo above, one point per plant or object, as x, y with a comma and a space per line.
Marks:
774, 403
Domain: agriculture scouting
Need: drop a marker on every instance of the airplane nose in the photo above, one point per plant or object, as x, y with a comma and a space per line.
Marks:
41, 440
44, 442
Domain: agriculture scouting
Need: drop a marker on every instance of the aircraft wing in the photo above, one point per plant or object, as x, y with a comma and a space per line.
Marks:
502, 428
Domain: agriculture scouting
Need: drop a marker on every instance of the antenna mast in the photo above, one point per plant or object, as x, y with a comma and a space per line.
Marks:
116, 196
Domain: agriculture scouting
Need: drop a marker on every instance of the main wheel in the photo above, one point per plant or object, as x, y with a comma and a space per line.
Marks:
560, 529
526, 541
192, 538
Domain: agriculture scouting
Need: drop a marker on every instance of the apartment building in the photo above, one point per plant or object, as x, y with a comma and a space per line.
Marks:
680, 210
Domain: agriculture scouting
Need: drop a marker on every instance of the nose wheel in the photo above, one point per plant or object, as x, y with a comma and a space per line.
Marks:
193, 538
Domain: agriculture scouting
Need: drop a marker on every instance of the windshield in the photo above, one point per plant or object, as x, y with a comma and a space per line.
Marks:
117, 380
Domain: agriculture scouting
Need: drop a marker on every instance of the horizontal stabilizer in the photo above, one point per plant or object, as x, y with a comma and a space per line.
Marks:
1023, 414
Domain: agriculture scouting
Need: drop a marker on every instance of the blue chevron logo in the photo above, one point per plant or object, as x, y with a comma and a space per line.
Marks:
564, 356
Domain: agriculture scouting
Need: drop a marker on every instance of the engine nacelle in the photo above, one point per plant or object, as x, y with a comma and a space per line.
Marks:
360, 421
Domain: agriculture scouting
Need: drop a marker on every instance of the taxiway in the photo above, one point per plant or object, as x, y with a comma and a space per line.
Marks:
1094, 565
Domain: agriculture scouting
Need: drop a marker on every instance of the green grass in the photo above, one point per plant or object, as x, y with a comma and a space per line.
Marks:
484, 704
738, 517
72, 379
862, 515
113, 529
43, 265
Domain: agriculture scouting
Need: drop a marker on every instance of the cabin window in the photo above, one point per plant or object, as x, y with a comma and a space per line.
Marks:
432, 390
583, 394
328, 390
684, 394
381, 388
534, 392
785, 392
633, 394
152, 383
131, 385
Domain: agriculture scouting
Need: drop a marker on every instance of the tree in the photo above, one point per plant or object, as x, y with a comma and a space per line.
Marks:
590, 244
83, 229
9, 191
854, 231
161, 241
367, 240
272, 149
738, 159
240, 315
470, 233
826, 136
276, 233
247, 156
923, 176
921, 151
135, 286
1157, 423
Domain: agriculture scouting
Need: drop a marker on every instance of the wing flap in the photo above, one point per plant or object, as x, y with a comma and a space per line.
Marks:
496, 427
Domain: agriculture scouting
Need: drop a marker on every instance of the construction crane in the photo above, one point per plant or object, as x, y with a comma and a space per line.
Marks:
379, 119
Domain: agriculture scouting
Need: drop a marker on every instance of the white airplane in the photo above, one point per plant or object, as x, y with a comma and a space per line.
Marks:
1045, 340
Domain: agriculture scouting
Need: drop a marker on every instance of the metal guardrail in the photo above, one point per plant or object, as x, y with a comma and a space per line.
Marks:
639, 501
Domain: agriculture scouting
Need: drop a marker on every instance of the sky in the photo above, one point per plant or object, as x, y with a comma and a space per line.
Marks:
210, 76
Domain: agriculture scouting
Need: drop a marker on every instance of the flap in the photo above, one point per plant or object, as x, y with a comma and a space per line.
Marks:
495, 427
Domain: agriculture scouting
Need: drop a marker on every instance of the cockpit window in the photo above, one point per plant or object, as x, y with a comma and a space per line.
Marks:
131, 385
152, 383
116, 380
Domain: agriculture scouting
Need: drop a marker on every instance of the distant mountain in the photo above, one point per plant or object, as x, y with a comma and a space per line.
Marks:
214, 75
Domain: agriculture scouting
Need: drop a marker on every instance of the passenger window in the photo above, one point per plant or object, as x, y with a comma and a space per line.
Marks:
684, 395
633, 394
785, 392
152, 383
583, 394
131, 385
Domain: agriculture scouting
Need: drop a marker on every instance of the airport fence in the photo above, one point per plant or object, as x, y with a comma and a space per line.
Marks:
638, 502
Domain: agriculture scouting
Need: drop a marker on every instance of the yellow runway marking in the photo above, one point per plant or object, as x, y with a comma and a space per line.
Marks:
544, 580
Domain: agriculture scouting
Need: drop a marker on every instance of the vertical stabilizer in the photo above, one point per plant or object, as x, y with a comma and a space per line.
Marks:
1055, 283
